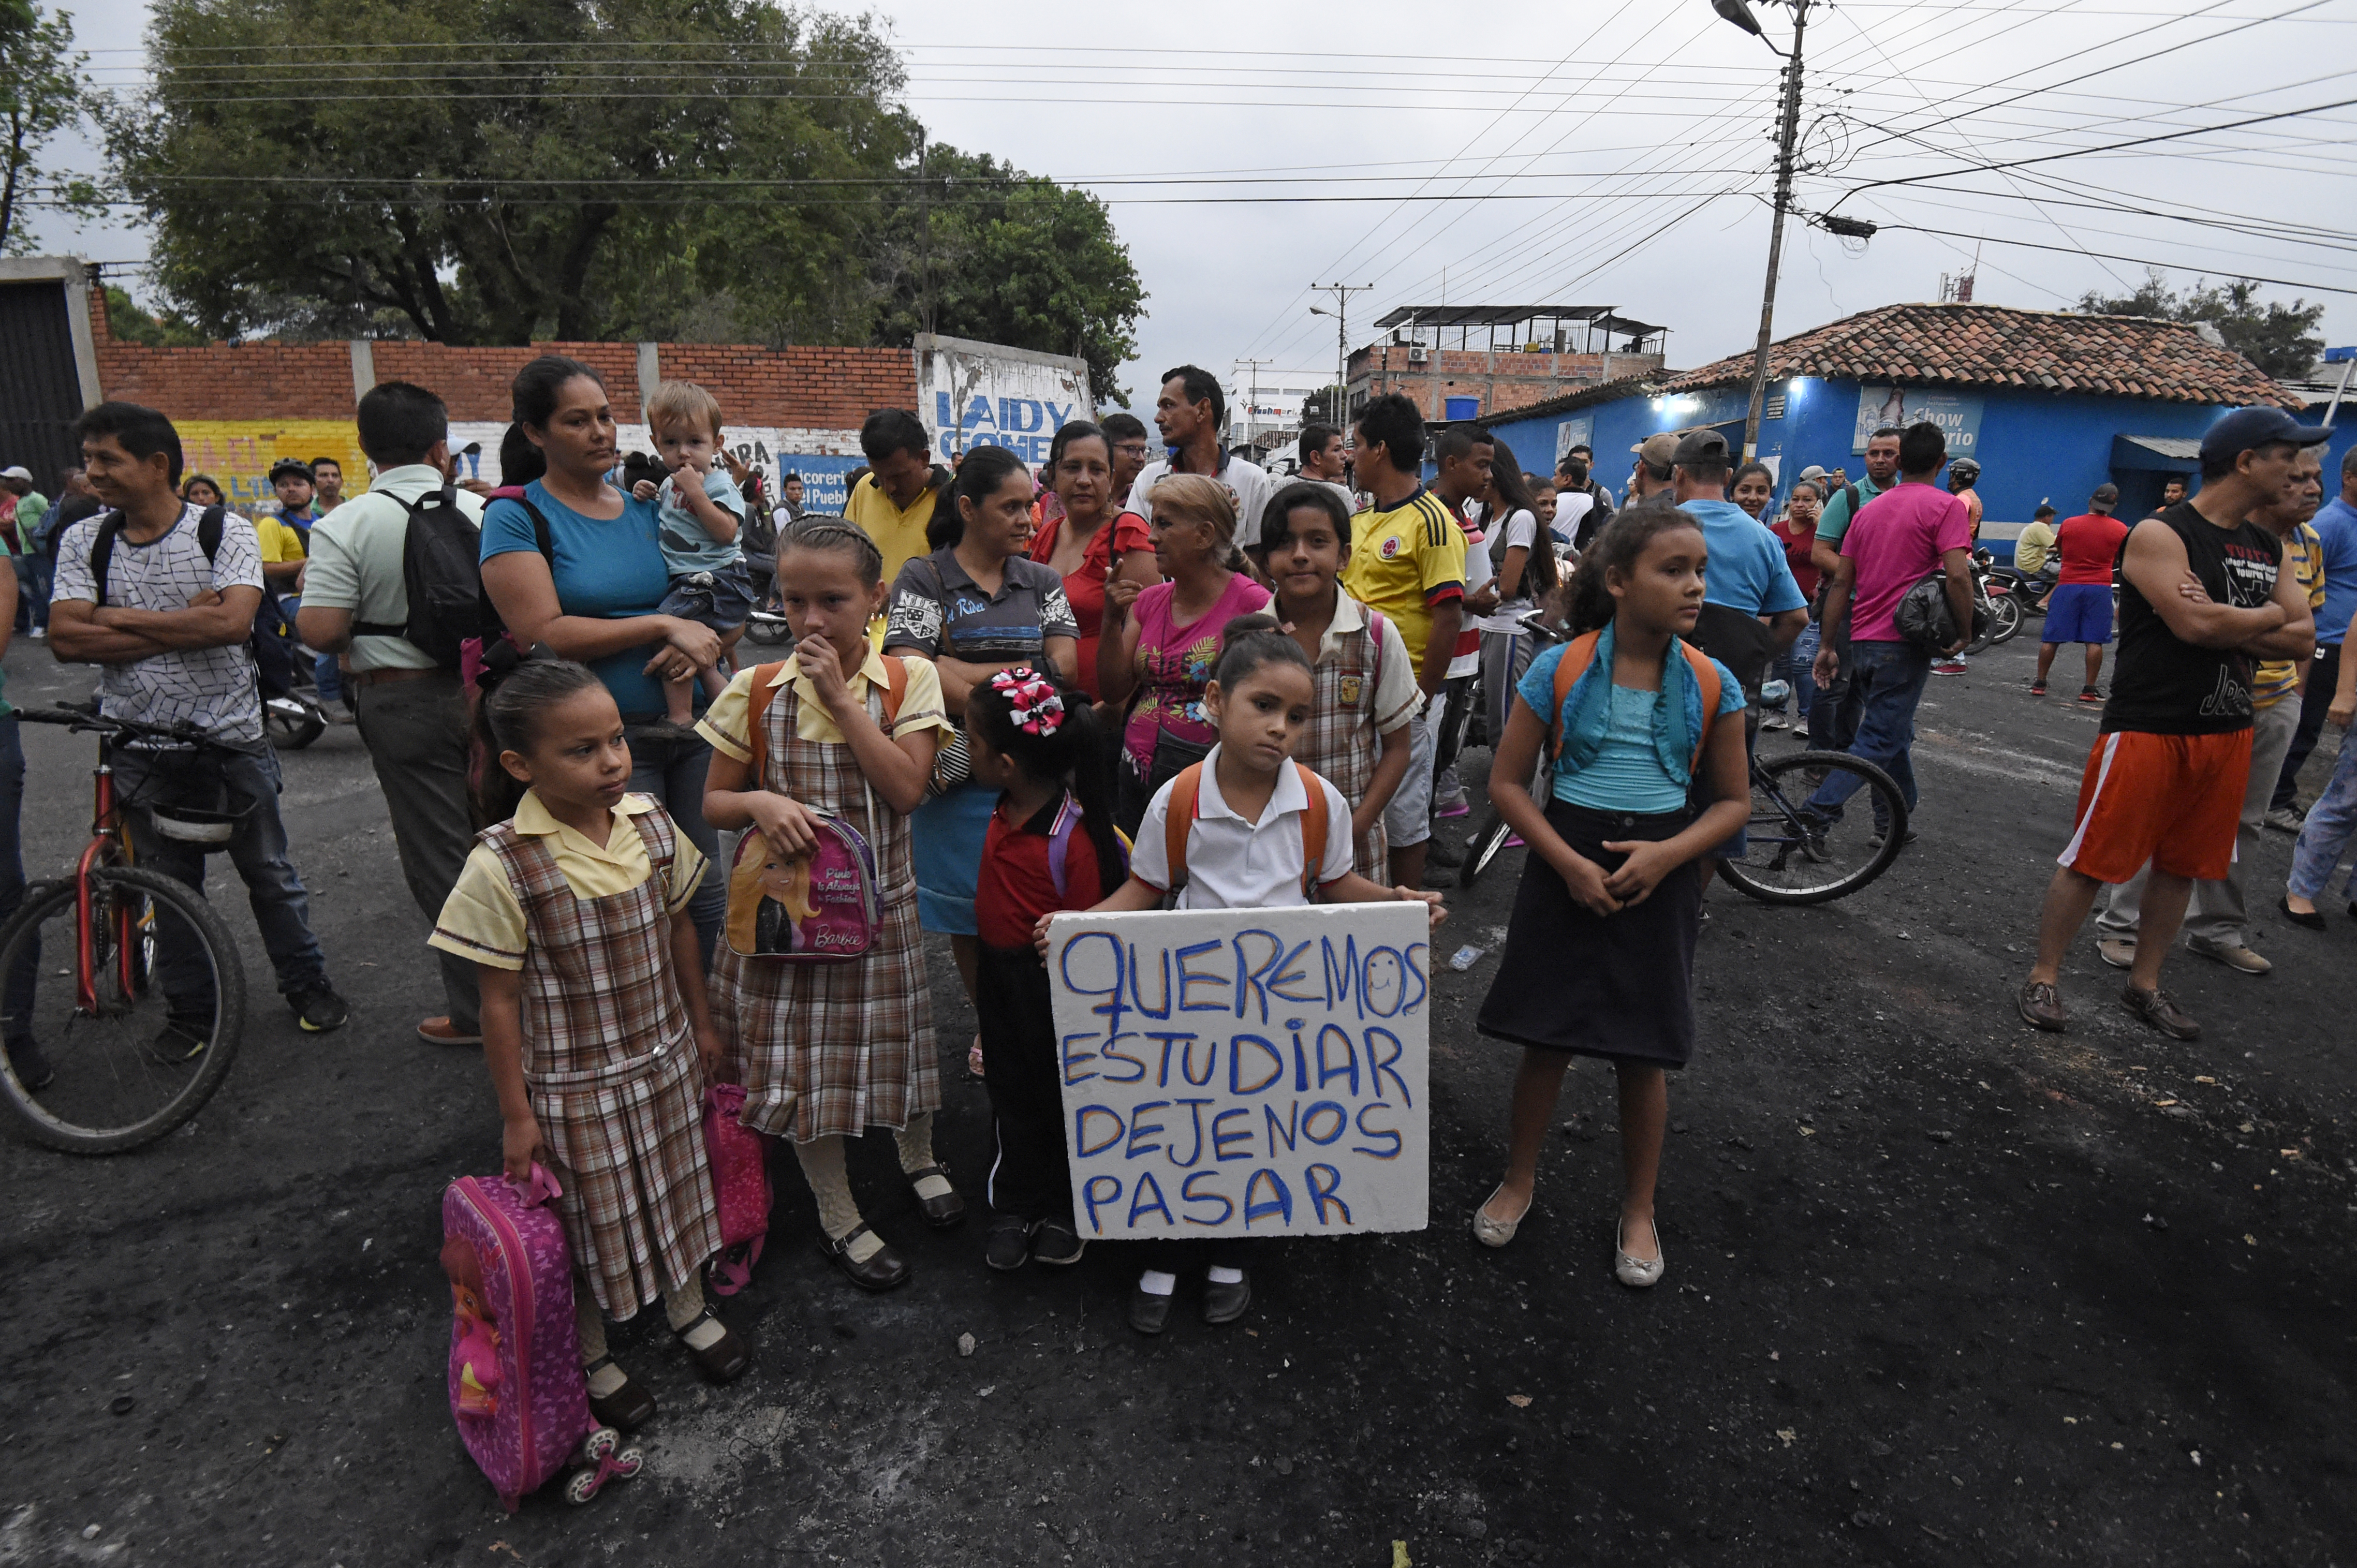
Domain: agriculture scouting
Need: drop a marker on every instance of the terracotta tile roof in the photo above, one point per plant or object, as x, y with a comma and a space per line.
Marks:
1996, 346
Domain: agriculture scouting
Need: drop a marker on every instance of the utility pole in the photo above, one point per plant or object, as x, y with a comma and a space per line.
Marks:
1252, 404
1342, 314
1788, 133
925, 238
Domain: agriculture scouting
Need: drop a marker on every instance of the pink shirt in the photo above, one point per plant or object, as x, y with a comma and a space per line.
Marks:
1174, 665
1896, 542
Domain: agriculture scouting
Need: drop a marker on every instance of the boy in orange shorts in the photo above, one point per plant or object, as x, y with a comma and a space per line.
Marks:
2202, 598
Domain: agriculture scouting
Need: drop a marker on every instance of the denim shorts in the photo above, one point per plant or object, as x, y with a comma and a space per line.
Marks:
721, 598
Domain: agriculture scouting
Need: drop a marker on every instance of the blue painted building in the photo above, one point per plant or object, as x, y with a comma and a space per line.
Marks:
2052, 404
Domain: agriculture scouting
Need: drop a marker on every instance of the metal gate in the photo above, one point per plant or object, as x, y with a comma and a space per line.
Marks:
40, 390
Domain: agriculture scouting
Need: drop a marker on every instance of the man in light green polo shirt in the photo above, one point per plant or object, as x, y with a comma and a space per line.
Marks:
413, 713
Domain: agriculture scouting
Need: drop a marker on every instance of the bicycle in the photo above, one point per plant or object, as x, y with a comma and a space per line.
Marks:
1791, 855
101, 1059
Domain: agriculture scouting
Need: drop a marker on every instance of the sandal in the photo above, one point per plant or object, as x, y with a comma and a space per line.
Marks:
628, 1407
725, 1360
946, 1212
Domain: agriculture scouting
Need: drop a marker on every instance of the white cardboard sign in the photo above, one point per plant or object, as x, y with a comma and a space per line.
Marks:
1245, 1072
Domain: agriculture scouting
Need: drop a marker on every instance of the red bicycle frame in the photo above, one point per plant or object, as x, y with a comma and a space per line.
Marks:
109, 845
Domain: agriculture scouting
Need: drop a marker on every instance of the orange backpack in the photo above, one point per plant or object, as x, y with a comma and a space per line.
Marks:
1581, 652
765, 691
1185, 800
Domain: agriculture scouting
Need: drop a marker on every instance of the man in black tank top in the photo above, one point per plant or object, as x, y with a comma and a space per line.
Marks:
2201, 599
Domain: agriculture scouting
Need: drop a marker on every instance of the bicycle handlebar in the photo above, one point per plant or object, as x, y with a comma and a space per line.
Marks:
81, 719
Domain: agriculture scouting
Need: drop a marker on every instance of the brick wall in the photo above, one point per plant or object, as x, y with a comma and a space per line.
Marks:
1503, 380
818, 388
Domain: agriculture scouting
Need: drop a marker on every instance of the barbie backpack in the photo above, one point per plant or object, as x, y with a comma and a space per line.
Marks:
819, 906
516, 1388
739, 1158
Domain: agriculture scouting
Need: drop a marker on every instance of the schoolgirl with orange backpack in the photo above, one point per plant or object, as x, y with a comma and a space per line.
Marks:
1246, 828
819, 984
1645, 734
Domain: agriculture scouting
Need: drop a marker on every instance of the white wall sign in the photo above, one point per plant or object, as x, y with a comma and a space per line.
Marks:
983, 394
1957, 415
1245, 1072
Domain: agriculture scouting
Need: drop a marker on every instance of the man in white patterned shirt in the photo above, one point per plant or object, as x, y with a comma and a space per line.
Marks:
169, 624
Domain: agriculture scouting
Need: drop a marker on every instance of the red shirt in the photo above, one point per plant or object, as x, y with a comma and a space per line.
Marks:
1017, 886
1085, 588
1798, 539
2089, 544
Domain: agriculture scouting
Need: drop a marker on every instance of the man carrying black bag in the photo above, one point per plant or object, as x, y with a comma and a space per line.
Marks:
413, 713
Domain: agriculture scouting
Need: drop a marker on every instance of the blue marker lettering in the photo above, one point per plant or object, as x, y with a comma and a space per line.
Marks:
1137, 1203
1381, 1066
1220, 1139
1188, 978
1281, 1204
1196, 1112
1285, 1129
1080, 1129
1364, 1132
1327, 1072
1236, 1064
1187, 1194
1342, 1122
1252, 977
1321, 1193
1140, 1127
1093, 1198
1074, 1058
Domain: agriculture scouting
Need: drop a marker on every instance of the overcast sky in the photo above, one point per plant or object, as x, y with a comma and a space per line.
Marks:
1529, 161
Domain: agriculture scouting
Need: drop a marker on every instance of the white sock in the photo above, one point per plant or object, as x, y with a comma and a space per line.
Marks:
1154, 1282
686, 1304
1221, 1275
915, 1144
590, 1326
838, 1215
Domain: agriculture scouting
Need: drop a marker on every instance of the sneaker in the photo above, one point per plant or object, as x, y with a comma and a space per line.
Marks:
319, 1009
2041, 1007
2118, 952
2286, 819
39, 633
1772, 720
179, 1040
1876, 837
1952, 667
2090, 697
2154, 1008
30, 1064
1057, 1242
1460, 807
1008, 1245
2038, 688
2234, 955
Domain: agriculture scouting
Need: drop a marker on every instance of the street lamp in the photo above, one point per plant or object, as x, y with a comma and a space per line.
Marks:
1740, 14
1341, 313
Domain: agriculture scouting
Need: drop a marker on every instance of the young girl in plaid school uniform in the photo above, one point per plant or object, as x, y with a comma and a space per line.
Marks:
573, 907
827, 1050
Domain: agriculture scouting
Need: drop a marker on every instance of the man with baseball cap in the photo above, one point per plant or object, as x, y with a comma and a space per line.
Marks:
26, 508
2080, 609
2202, 597
1748, 570
1656, 456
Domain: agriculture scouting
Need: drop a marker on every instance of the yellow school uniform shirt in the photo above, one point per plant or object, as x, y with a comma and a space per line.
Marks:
2277, 678
725, 721
1403, 561
483, 920
899, 535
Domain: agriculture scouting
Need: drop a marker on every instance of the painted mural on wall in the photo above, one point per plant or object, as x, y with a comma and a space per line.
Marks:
1957, 415
984, 394
823, 458
237, 453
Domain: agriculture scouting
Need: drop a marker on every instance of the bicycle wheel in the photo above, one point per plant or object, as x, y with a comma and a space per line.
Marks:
1795, 856
138, 1064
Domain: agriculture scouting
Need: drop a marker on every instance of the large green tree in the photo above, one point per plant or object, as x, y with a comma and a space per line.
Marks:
42, 90
2280, 339
683, 169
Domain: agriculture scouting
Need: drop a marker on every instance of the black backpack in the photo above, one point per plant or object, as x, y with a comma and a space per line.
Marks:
442, 572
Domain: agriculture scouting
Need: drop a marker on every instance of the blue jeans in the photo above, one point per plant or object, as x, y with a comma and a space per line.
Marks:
18, 999
673, 771
1886, 681
214, 779
27, 617
1795, 665
2324, 836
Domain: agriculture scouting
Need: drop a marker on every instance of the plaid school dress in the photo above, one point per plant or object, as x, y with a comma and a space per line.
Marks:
831, 1050
1341, 743
610, 1060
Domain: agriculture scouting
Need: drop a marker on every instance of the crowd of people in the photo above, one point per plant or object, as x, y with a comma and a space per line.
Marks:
1121, 683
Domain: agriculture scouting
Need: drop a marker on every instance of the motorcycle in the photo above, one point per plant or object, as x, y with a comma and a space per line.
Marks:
294, 721
2002, 607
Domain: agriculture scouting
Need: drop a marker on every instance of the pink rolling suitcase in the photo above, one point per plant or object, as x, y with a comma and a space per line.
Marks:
740, 1187
516, 1388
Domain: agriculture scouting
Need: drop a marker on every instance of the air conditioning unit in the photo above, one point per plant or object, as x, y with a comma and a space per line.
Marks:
1417, 353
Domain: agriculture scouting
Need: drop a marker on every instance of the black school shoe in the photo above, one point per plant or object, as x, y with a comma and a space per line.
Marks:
1008, 1245
1226, 1303
1148, 1312
319, 1009
1055, 1243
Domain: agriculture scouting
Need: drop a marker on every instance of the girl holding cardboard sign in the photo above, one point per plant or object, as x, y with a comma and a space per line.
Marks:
1246, 828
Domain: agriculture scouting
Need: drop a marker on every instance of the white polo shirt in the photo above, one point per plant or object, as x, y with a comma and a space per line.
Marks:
1235, 865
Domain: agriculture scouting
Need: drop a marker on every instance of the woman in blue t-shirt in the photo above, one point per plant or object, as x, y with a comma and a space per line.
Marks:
593, 598
1599, 952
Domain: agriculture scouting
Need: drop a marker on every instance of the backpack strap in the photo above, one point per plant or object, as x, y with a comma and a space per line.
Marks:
1313, 830
210, 523
757, 709
540, 534
1178, 822
208, 531
896, 687
1578, 655
1060, 843
1706, 674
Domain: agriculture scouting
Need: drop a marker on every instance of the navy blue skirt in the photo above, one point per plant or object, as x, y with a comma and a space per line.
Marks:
1618, 985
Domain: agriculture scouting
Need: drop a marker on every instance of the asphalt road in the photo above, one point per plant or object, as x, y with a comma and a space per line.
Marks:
1940, 1290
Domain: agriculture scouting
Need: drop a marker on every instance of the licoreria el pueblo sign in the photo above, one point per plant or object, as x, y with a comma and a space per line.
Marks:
1245, 1072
